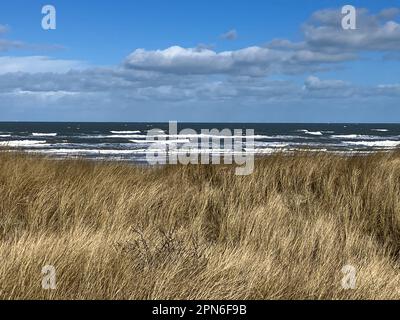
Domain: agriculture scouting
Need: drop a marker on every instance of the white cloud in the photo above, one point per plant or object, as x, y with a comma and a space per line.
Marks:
37, 64
316, 88
389, 89
230, 35
375, 32
314, 83
253, 61
180, 60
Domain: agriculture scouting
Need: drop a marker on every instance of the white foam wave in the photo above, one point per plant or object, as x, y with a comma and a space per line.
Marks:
380, 130
209, 136
161, 141
355, 136
156, 130
164, 137
23, 143
383, 143
38, 134
313, 133
125, 132
77, 152
272, 144
120, 136
94, 152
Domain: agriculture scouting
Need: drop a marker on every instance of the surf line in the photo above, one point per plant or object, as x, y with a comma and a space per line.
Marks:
236, 147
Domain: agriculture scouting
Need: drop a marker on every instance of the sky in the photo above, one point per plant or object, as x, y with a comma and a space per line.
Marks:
200, 61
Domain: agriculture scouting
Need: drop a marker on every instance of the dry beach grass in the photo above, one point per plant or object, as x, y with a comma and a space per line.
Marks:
117, 231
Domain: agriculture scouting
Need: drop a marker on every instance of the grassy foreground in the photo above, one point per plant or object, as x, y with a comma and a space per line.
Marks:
116, 231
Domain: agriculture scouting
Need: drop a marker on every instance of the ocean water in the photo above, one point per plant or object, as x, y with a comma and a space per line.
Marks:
127, 141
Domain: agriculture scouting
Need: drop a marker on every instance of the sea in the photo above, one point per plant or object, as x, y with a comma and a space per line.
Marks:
130, 142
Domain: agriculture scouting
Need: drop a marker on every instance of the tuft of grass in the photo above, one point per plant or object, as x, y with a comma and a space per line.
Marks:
118, 231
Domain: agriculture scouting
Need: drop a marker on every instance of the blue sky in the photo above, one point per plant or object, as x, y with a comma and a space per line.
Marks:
258, 61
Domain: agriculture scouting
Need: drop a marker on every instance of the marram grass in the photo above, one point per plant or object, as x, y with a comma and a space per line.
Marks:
118, 231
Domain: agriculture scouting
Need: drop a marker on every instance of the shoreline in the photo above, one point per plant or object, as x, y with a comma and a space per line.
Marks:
257, 156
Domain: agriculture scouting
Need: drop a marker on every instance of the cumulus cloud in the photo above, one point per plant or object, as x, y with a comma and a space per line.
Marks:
230, 35
378, 32
325, 45
253, 61
180, 60
375, 32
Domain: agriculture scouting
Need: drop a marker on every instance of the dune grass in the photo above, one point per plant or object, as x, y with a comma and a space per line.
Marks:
117, 231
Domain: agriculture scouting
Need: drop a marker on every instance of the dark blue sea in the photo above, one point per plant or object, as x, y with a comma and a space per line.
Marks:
127, 141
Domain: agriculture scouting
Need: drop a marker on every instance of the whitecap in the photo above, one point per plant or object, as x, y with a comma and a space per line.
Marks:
162, 141
313, 133
126, 132
380, 130
120, 136
355, 136
383, 143
88, 151
273, 144
35, 134
23, 143
209, 136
